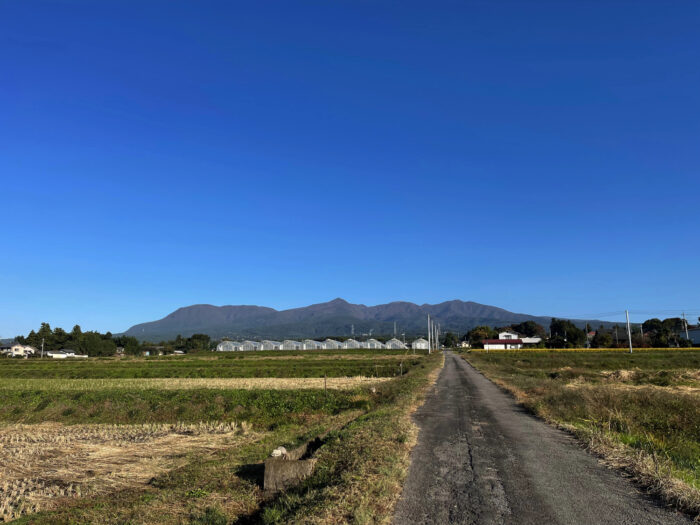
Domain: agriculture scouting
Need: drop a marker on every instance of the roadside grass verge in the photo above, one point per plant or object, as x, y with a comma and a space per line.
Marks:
362, 466
640, 412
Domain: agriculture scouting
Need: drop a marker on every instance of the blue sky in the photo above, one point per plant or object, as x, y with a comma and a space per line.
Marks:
539, 156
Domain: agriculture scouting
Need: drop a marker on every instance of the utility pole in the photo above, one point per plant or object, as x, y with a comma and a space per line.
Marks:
42, 347
429, 330
686, 327
629, 333
394, 328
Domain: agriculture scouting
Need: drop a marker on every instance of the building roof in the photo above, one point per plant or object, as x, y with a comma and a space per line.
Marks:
502, 341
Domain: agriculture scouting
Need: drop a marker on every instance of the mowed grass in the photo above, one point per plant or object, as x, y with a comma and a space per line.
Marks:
219, 365
641, 410
361, 464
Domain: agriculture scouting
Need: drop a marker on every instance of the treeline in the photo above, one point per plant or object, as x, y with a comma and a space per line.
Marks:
653, 333
96, 344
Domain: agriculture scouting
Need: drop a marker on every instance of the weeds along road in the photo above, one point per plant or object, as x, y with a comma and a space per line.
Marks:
482, 459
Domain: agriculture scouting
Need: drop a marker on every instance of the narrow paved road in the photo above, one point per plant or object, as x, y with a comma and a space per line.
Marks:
482, 459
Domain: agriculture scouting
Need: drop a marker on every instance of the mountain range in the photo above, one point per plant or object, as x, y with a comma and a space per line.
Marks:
334, 318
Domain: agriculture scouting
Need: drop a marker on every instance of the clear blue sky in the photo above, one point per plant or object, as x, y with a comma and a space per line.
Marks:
539, 156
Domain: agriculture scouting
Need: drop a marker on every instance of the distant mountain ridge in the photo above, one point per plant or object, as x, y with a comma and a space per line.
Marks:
333, 318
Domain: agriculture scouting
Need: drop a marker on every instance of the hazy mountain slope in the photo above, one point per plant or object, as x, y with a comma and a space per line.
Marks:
337, 317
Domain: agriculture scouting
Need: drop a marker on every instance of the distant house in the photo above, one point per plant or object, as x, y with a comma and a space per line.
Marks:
420, 344
465, 344
531, 340
394, 344
332, 344
693, 335
288, 344
228, 346
507, 343
508, 335
271, 345
21, 351
351, 343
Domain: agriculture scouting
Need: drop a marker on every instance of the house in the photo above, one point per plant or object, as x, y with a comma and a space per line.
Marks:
21, 351
394, 344
693, 335
503, 344
228, 346
351, 343
332, 344
420, 344
465, 344
508, 335
271, 345
531, 340
288, 344
373, 344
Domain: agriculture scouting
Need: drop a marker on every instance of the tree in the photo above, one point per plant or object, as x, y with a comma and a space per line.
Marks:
565, 333
652, 325
601, 339
478, 334
451, 340
198, 342
529, 329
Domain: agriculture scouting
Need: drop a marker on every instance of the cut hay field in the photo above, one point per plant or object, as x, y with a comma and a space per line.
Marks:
640, 411
181, 440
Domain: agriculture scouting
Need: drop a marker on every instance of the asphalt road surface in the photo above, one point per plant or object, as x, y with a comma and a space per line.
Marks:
482, 459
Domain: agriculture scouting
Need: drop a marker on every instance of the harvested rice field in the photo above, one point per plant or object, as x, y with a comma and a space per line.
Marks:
256, 383
43, 465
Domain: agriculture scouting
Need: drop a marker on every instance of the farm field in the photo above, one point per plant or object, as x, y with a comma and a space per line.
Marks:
239, 364
182, 440
640, 411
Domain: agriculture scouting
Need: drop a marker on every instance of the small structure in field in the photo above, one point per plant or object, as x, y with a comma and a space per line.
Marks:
394, 344
288, 344
419, 344
229, 346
